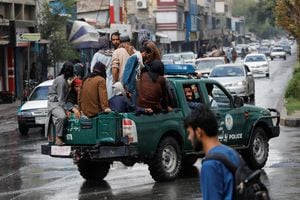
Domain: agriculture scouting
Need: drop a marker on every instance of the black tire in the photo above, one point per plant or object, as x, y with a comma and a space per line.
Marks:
252, 98
166, 164
23, 129
271, 58
257, 153
284, 57
93, 170
246, 99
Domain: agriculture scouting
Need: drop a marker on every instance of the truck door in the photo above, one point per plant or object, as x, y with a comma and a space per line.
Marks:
230, 119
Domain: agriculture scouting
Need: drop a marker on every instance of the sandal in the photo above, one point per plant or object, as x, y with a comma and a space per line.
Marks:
58, 141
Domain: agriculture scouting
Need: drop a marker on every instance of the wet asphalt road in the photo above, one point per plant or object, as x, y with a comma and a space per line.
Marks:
26, 174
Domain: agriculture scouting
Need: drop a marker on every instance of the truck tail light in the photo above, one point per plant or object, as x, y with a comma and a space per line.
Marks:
246, 115
129, 130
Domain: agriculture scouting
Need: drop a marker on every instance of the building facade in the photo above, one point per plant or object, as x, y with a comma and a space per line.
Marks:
17, 18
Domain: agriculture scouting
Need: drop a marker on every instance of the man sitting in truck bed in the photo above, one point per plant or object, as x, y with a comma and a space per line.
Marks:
152, 91
93, 95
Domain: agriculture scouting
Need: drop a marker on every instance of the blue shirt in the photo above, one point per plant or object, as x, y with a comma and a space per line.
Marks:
216, 180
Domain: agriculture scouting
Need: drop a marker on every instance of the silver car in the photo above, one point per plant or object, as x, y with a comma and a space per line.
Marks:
205, 65
237, 79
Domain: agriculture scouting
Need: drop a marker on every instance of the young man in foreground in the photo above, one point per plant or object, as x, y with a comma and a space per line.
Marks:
216, 181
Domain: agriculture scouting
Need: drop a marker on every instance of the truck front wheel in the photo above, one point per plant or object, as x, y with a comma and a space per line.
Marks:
257, 153
93, 170
166, 164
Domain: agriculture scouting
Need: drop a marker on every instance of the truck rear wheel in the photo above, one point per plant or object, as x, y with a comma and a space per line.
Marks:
93, 170
257, 153
166, 163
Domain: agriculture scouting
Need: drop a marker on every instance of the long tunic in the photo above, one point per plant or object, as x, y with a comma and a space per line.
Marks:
57, 97
105, 57
93, 96
152, 94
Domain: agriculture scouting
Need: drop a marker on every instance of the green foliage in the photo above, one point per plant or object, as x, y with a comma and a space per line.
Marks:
293, 89
259, 16
292, 105
288, 17
53, 28
241, 7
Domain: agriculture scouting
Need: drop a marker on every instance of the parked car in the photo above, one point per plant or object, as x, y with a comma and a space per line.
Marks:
277, 52
265, 50
236, 78
34, 111
258, 64
205, 65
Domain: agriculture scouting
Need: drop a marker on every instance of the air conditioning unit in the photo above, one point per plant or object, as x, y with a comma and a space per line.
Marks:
141, 4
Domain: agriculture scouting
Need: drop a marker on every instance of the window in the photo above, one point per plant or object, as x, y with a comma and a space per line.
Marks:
40, 93
192, 93
218, 96
172, 99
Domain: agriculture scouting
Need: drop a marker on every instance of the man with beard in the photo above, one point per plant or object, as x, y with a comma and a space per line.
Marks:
216, 181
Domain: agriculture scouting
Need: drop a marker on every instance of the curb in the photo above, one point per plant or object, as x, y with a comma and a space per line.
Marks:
286, 120
289, 121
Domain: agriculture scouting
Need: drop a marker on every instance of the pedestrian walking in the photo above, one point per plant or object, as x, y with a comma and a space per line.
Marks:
216, 181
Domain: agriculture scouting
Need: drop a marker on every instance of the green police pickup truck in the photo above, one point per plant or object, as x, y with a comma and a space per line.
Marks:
160, 140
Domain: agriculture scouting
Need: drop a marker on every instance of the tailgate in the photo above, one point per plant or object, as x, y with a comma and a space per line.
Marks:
104, 128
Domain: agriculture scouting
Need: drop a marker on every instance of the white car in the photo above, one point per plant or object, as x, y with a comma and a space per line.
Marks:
258, 64
34, 111
236, 78
172, 58
188, 57
277, 52
205, 65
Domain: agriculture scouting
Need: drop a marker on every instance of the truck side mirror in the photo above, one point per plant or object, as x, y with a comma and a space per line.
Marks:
238, 101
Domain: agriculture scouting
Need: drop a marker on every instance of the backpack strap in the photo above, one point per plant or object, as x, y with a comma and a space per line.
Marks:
223, 159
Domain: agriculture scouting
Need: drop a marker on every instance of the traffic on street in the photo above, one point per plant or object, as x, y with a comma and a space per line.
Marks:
27, 174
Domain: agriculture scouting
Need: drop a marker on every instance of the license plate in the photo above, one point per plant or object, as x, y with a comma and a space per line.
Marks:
40, 120
60, 150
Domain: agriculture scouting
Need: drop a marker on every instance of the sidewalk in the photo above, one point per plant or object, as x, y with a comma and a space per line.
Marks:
9, 110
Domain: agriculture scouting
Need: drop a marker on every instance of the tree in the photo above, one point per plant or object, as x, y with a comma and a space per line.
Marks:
52, 27
288, 17
258, 15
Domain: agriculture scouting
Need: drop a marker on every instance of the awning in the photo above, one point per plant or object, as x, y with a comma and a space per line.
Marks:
83, 35
162, 35
4, 42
